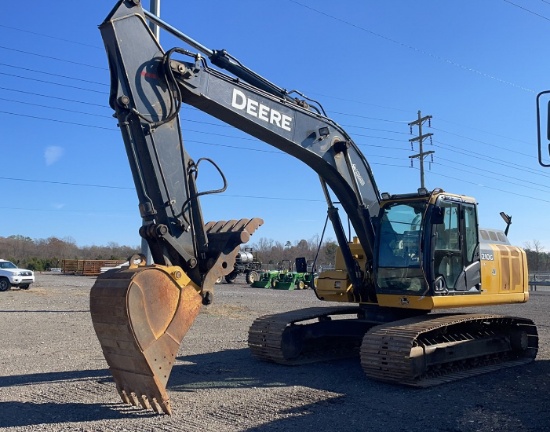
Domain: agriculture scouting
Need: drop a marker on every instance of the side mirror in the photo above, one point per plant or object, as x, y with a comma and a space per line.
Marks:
438, 215
508, 220
544, 160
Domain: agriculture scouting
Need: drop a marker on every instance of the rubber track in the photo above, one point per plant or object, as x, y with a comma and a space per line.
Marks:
265, 337
385, 351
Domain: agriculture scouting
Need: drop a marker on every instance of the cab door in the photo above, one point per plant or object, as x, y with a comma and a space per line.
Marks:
456, 250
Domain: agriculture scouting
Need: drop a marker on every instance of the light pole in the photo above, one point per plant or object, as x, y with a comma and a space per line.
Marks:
154, 7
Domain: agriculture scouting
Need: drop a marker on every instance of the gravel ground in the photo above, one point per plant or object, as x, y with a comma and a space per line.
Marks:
54, 377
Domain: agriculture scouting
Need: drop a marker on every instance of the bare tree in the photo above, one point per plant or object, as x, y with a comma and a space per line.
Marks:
534, 253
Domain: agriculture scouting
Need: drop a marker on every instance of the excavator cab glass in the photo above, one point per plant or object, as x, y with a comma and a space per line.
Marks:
455, 246
421, 242
399, 264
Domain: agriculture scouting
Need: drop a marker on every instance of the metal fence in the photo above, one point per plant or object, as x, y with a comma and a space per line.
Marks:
537, 280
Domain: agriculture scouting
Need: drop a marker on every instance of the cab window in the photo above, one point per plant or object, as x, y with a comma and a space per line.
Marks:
456, 241
399, 251
400, 236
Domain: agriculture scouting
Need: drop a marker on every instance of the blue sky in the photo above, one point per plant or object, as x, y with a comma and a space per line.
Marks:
474, 66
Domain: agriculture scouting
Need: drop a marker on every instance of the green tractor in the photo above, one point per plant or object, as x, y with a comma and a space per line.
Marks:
310, 280
286, 279
310, 275
299, 279
267, 279
289, 281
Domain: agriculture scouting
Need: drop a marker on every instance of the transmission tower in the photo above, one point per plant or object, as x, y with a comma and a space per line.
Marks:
420, 138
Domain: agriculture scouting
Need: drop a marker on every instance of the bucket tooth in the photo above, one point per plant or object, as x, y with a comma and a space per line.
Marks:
124, 396
166, 407
144, 402
134, 400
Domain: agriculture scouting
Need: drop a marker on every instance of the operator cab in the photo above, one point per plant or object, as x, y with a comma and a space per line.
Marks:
427, 237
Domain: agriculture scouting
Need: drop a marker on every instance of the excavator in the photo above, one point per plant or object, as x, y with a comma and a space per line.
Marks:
412, 258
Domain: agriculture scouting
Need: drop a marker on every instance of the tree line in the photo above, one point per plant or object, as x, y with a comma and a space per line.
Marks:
272, 253
45, 254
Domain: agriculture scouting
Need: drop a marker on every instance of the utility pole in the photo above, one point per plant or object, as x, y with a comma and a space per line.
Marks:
154, 7
420, 138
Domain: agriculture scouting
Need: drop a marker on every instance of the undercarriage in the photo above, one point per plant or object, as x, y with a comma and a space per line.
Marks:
419, 351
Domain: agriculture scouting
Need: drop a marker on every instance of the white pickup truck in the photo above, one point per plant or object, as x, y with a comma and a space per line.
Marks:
11, 275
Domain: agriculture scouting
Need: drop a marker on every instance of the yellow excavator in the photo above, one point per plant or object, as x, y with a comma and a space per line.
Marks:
410, 255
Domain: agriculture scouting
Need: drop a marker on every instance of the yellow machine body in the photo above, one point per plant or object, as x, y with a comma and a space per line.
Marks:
502, 267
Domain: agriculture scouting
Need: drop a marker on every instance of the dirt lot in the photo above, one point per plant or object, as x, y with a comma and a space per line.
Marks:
54, 377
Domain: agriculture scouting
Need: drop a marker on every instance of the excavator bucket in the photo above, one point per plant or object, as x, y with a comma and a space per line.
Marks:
140, 315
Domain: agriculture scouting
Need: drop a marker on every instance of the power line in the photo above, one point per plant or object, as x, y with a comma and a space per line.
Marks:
507, 192
56, 120
52, 97
463, 169
50, 37
54, 108
370, 145
225, 195
264, 197
370, 118
486, 143
526, 10
492, 159
294, 1
340, 113
53, 83
209, 133
413, 48
66, 183
276, 198
53, 58
360, 102
183, 119
41, 72
373, 129
486, 171
469, 127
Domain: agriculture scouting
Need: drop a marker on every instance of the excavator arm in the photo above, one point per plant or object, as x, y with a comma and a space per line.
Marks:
141, 314
163, 172
149, 87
